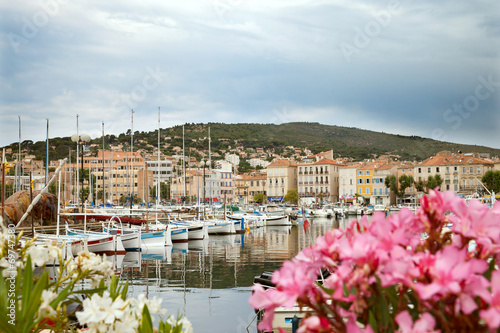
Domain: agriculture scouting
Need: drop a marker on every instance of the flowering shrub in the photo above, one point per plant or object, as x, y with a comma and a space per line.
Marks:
432, 271
31, 302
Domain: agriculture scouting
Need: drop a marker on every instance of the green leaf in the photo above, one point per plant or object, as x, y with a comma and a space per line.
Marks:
372, 321
89, 292
146, 325
27, 285
124, 291
62, 295
327, 290
383, 306
31, 304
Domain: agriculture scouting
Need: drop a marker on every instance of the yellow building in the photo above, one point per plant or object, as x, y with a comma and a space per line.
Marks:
364, 181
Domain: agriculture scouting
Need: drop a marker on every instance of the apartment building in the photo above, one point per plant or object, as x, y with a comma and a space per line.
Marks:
348, 182
162, 170
364, 182
381, 195
281, 177
118, 174
460, 172
246, 186
188, 188
319, 180
226, 184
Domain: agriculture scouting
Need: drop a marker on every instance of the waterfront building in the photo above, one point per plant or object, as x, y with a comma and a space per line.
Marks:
348, 182
124, 174
319, 180
364, 182
460, 172
226, 184
162, 171
381, 195
246, 186
281, 177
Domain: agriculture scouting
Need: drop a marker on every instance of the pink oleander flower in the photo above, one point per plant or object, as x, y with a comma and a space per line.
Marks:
425, 324
492, 315
269, 300
448, 272
372, 263
314, 324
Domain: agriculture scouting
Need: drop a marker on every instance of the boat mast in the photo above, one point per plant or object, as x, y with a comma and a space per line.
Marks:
158, 169
103, 183
47, 153
77, 172
132, 180
19, 158
3, 181
183, 162
210, 166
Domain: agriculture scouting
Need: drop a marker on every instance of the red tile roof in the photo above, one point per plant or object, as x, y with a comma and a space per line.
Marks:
328, 161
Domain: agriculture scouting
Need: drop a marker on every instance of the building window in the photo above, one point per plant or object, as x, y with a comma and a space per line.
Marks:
368, 180
367, 173
360, 181
374, 191
429, 170
437, 169
360, 191
478, 170
419, 170
367, 191
386, 191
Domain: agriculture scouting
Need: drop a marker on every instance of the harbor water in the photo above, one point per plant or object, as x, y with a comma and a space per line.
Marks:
210, 281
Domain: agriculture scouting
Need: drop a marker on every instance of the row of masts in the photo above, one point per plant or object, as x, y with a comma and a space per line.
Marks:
76, 182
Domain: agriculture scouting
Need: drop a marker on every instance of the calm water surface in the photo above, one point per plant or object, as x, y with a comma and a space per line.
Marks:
209, 281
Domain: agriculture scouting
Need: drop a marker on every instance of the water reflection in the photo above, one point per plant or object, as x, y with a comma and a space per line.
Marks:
209, 280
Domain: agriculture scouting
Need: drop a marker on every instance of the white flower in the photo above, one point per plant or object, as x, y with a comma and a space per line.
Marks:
45, 308
39, 255
53, 248
92, 264
186, 324
99, 310
128, 323
154, 305
5, 264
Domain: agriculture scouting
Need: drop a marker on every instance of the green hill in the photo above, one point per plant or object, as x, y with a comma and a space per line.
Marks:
345, 141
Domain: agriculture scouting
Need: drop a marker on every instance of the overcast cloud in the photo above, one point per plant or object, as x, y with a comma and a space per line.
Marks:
392, 66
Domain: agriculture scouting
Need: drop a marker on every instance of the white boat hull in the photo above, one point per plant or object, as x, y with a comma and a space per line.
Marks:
278, 220
223, 228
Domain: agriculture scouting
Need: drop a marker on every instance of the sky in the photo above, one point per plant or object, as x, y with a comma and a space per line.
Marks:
425, 68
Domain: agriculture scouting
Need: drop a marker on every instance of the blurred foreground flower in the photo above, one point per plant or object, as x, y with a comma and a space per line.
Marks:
32, 301
432, 271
